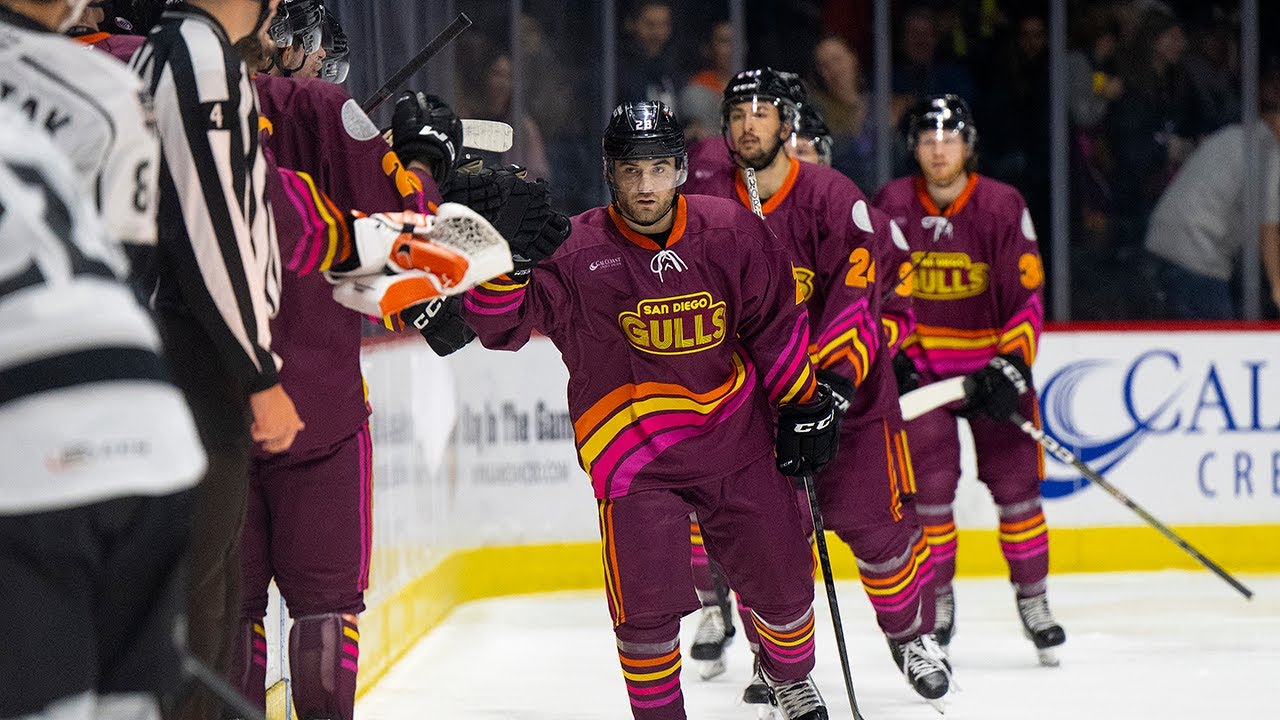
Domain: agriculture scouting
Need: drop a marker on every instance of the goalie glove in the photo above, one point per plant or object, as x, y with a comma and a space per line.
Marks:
995, 390
393, 242
448, 254
808, 434
441, 324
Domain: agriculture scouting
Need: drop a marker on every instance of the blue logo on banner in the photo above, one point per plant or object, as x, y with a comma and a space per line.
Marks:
1061, 414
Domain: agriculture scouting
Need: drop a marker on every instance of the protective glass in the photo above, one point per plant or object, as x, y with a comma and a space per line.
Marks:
939, 136
632, 176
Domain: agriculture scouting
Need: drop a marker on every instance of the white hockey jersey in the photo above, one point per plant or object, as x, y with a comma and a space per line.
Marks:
97, 113
86, 410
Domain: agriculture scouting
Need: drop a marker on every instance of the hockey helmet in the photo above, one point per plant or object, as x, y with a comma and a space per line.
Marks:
811, 126
765, 85
298, 23
942, 113
644, 130
335, 67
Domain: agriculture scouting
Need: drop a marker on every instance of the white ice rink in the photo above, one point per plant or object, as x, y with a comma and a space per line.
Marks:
1165, 646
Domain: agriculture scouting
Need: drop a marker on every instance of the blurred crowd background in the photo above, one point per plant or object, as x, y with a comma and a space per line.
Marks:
1146, 83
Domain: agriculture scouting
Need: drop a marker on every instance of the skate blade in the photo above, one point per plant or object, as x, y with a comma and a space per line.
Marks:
768, 712
708, 669
1048, 657
938, 705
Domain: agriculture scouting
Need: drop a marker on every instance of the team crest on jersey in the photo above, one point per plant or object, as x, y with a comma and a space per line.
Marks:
675, 325
940, 226
947, 276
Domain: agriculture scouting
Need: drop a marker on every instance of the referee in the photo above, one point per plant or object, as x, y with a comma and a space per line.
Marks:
217, 285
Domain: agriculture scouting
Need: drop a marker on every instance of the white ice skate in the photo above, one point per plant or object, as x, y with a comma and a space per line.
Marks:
709, 642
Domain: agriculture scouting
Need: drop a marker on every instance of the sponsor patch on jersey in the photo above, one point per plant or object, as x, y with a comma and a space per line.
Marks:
947, 276
612, 263
899, 240
862, 216
1028, 227
675, 325
356, 123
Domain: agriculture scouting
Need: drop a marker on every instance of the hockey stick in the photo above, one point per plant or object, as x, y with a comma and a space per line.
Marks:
931, 397
446, 36
1057, 450
824, 559
196, 670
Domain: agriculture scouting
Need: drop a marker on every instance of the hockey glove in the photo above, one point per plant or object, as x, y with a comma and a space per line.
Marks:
841, 389
995, 389
441, 324
425, 129
904, 370
807, 435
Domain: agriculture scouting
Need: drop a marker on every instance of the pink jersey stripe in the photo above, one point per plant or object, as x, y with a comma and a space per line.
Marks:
791, 358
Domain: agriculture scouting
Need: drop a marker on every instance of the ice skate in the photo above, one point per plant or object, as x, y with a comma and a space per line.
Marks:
1040, 628
925, 667
757, 691
709, 642
944, 627
799, 700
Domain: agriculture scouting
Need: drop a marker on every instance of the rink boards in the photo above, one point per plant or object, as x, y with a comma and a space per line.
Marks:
478, 492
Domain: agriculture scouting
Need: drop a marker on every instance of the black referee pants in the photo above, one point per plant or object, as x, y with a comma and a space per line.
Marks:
220, 407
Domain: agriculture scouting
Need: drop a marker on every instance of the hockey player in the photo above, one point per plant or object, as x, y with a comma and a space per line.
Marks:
99, 454
811, 140
335, 67
677, 320
298, 33
834, 238
93, 108
309, 520
977, 291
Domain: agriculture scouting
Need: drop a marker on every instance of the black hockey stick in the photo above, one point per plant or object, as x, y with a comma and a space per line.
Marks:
824, 558
1057, 450
446, 36
193, 668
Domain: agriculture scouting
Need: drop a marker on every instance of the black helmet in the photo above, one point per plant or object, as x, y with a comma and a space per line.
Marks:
942, 112
764, 84
811, 126
798, 91
645, 129
298, 21
335, 67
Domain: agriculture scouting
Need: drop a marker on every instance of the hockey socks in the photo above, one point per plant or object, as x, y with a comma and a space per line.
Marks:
323, 656
249, 664
651, 671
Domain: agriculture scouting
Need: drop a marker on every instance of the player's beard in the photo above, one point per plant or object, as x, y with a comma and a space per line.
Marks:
761, 156
633, 207
946, 176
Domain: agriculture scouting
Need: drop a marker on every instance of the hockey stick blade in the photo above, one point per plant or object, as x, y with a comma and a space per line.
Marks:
428, 51
828, 580
931, 397
1053, 447
487, 135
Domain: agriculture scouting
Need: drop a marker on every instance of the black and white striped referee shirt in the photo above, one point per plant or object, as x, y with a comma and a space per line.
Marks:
218, 260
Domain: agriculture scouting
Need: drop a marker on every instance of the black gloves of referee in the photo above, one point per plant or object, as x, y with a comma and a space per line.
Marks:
808, 434
994, 391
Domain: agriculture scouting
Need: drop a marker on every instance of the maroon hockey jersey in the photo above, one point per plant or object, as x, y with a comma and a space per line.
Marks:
836, 242
978, 282
675, 354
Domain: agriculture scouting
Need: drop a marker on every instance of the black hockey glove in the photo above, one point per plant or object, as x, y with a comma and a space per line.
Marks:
807, 435
904, 371
519, 210
441, 324
425, 129
994, 390
842, 388
553, 234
